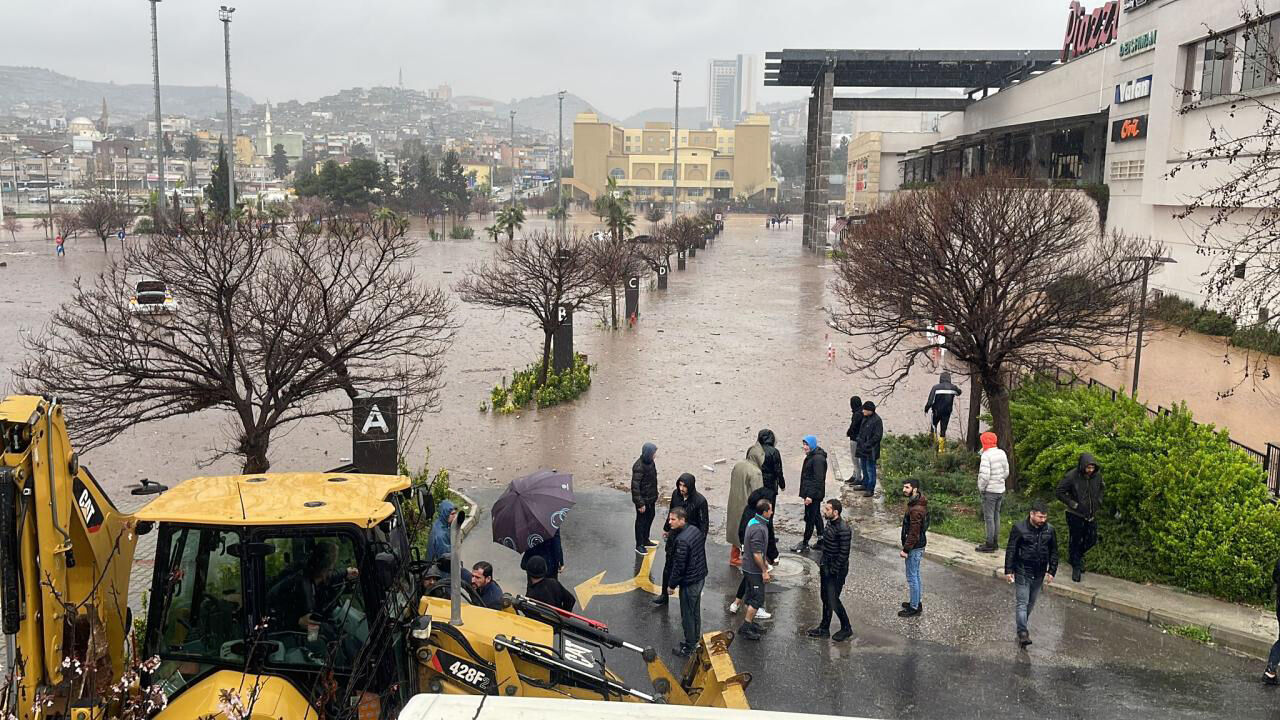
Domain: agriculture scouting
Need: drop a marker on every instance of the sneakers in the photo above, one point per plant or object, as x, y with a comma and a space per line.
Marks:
763, 614
1269, 676
681, 651
818, 632
650, 543
985, 548
869, 493
856, 486
641, 550
751, 631
909, 611
842, 635
1024, 638
907, 606
800, 547
660, 600
733, 607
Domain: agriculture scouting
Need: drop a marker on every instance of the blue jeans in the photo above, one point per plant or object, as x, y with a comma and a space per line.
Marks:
1026, 589
868, 473
913, 576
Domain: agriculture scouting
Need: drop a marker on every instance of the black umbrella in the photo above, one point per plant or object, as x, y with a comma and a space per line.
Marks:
532, 508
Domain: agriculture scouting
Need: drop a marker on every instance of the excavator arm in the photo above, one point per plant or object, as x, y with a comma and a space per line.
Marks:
65, 557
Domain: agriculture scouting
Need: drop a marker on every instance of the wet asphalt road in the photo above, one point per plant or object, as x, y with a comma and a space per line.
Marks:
958, 660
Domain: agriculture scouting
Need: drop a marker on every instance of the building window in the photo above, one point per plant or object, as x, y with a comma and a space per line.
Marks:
1128, 169
693, 192
1216, 78
1260, 46
667, 174
618, 174
722, 175
1239, 271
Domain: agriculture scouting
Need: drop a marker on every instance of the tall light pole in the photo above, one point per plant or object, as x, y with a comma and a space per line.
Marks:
128, 198
224, 14
513, 159
1148, 261
48, 191
155, 81
560, 167
675, 152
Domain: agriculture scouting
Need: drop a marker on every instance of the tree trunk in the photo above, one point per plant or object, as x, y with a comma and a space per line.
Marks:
1001, 422
975, 409
104, 244
546, 356
613, 306
254, 447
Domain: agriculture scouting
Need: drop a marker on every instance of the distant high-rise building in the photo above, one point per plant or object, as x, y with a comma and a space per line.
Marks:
731, 89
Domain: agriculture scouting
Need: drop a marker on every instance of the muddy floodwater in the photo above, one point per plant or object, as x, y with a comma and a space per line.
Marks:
736, 343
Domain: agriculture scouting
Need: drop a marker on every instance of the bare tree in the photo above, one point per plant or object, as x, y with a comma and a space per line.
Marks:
654, 215
655, 250
271, 328
684, 232
615, 260
1017, 273
104, 217
537, 274
12, 225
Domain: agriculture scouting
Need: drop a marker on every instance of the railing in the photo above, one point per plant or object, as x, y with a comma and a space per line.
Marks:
1269, 460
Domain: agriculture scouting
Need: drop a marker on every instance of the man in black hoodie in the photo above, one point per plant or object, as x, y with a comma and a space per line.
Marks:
868, 448
686, 496
813, 487
941, 401
855, 425
644, 494
771, 468
1081, 491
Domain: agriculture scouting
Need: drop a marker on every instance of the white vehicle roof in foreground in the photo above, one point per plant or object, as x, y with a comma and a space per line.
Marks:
451, 707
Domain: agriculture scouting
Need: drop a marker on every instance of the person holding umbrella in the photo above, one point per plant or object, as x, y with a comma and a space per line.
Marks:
528, 516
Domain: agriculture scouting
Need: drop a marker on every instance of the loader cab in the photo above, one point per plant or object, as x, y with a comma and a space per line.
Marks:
300, 576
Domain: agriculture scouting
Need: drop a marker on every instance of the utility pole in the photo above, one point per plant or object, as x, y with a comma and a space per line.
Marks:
560, 167
513, 159
48, 189
1148, 261
224, 14
155, 80
675, 152
128, 199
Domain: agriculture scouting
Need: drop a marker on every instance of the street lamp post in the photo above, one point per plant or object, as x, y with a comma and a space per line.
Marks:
155, 79
128, 198
48, 191
675, 151
513, 159
560, 167
224, 14
1148, 262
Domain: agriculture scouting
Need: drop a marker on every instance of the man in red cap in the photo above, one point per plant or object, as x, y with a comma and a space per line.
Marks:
993, 470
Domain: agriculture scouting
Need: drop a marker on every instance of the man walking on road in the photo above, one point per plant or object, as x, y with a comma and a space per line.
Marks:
1030, 560
755, 568
1269, 674
915, 529
867, 451
686, 497
813, 487
832, 570
993, 470
644, 494
689, 573
941, 400
1081, 491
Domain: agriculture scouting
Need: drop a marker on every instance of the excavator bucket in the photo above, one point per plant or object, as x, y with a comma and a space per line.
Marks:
710, 676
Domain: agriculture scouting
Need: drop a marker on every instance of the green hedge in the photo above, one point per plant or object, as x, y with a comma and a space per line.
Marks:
524, 389
1183, 506
1184, 313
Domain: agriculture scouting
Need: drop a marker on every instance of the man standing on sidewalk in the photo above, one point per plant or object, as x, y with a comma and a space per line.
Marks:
755, 568
915, 529
993, 470
868, 449
689, 573
832, 570
813, 487
855, 425
1081, 491
644, 495
1030, 560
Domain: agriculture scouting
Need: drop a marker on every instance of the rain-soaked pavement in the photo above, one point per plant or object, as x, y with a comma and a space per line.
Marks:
737, 343
957, 660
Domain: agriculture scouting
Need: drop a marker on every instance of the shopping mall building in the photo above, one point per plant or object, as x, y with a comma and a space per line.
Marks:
1110, 109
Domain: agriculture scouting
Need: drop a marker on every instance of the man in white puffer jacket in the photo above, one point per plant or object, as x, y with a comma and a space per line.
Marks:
992, 472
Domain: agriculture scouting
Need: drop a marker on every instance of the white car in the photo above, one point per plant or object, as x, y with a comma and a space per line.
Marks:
152, 297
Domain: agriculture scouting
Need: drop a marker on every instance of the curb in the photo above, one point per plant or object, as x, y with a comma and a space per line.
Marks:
473, 518
1231, 638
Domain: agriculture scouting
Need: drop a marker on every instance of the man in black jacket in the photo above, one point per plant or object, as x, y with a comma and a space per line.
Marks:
868, 450
771, 468
689, 573
1081, 491
941, 400
832, 569
1030, 560
813, 487
686, 496
547, 589
644, 494
855, 426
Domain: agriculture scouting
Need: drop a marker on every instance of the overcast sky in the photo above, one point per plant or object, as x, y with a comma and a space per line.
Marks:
618, 56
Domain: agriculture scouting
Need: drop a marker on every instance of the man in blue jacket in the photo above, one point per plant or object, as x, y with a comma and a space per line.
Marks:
440, 542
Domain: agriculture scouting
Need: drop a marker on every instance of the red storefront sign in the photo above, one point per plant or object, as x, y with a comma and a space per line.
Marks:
1088, 31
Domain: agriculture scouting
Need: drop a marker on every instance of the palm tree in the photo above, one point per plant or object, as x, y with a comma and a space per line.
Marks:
654, 215
494, 231
510, 219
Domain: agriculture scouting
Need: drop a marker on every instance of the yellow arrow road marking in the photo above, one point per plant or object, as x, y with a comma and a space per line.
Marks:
594, 586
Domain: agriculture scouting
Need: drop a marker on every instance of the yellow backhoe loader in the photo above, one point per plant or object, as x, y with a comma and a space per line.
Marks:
283, 595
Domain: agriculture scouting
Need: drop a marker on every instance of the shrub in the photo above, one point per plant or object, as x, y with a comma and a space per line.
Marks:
418, 528
461, 232
559, 387
1184, 313
1257, 337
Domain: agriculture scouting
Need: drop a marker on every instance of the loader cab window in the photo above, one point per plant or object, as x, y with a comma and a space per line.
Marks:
315, 604
197, 604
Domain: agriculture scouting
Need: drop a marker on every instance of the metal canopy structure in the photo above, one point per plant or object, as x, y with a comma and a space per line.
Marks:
973, 71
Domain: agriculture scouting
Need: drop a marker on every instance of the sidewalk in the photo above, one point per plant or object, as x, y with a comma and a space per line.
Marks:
1238, 627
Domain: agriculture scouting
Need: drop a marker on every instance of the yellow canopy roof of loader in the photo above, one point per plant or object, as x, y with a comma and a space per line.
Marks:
300, 498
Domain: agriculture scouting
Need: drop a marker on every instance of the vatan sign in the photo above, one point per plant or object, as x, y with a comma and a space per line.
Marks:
1135, 89
1138, 45
375, 435
1087, 31
1129, 129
